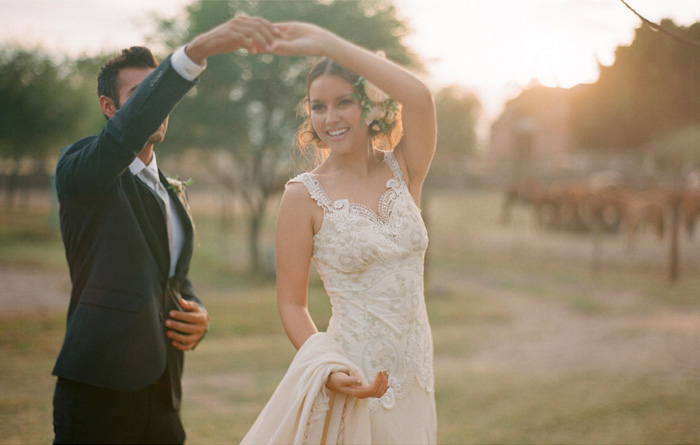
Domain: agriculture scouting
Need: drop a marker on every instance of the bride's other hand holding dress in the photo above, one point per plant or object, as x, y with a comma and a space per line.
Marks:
343, 383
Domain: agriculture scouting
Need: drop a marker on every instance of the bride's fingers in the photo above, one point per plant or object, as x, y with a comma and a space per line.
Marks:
380, 383
287, 28
297, 33
379, 386
282, 27
352, 386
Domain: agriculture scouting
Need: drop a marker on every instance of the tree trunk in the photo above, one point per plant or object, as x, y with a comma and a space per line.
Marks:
254, 241
11, 188
674, 254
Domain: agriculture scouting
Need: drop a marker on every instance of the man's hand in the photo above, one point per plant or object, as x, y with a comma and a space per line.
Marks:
255, 34
344, 383
187, 328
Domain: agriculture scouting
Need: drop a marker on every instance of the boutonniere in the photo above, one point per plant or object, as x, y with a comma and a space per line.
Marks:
180, 189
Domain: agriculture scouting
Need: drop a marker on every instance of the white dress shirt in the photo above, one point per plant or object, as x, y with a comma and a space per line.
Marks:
176, 230
184, 66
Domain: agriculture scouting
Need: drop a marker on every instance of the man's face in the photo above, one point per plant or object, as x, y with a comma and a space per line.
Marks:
127, 81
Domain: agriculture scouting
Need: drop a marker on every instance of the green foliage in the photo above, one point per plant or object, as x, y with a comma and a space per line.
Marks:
43, 107
457, 111
40, 103
678, 152
652, 88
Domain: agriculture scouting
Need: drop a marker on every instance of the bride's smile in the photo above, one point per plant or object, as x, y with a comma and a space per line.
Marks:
337, 133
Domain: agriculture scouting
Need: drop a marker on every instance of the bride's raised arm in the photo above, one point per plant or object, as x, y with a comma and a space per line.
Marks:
416, 148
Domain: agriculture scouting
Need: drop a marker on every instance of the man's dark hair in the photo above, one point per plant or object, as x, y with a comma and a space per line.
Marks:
134, 57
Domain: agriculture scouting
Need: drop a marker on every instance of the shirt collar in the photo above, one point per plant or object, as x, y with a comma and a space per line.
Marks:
137, 165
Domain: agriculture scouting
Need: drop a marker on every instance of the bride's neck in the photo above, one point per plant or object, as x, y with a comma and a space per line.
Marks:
360, 165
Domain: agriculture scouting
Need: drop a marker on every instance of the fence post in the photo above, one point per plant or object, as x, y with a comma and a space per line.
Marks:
674, 259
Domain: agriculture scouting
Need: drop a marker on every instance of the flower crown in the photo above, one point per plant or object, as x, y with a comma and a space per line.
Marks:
378, 109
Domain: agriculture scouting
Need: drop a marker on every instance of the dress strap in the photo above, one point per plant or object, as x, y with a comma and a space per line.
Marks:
393, 164
314, 188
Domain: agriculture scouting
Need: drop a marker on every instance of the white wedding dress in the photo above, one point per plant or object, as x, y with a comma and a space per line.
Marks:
372, 268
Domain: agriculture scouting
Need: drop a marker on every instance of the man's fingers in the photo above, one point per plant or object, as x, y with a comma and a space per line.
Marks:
187, 305
183, 346
186, 317
264, 32
254, 34
183, 340
187, 328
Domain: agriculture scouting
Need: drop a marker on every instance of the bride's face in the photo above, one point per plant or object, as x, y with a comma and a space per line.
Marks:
335, 115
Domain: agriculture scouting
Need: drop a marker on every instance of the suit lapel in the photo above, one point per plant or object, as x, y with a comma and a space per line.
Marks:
187, 224
150, 211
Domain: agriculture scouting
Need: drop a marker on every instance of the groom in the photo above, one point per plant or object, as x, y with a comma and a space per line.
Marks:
128, 242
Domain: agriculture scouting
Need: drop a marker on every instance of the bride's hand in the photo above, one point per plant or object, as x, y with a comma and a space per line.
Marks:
299, 39
343, 383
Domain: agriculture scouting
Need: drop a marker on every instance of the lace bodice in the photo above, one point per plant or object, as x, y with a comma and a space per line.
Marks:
371, 265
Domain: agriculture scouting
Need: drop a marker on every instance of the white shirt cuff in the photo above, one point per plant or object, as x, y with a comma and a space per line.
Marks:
184, 66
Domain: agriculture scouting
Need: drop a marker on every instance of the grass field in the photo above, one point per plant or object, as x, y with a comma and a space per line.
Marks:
540, 337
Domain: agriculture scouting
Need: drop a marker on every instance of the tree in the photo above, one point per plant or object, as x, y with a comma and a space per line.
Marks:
41, 107
457, 111
678, 153
651, 89
244, 110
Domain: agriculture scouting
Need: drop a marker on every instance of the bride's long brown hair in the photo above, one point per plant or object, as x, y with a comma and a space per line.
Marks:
310, 144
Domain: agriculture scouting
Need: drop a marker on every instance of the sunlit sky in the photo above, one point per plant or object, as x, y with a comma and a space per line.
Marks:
493, 47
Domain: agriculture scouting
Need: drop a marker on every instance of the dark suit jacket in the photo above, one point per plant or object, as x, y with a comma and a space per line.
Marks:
116, 243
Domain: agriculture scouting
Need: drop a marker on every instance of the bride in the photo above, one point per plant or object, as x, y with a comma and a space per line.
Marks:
369, 379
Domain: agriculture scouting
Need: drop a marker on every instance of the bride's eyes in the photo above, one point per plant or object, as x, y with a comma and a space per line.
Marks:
342, 103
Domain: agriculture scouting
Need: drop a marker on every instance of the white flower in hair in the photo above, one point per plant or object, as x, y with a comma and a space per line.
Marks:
375, 94
378, 108
377, 112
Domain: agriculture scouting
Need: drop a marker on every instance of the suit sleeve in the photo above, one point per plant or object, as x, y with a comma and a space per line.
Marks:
92, 165
188, 293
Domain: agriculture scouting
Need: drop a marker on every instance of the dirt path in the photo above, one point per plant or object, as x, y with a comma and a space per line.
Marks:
26, 290
627, 334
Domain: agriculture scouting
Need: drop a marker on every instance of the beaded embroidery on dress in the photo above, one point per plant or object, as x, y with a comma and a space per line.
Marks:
371, 264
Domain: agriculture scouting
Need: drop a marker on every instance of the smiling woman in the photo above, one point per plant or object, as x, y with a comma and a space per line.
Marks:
357, 217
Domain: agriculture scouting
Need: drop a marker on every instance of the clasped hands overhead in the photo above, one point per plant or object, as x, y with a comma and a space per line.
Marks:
257, 36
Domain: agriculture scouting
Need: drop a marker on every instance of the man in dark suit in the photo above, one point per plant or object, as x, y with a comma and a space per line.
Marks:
128, 241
